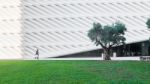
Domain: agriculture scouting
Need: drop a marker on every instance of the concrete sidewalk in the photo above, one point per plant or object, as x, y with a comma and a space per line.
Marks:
93, 58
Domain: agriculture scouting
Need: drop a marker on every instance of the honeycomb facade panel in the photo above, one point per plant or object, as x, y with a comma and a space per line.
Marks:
59, 27
10, 29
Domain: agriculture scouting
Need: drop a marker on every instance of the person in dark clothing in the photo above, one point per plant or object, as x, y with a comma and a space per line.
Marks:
37, 54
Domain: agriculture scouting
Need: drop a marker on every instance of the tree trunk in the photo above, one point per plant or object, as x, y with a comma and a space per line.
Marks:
106, 54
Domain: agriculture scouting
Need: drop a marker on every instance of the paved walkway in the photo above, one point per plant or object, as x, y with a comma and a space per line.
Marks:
93, 58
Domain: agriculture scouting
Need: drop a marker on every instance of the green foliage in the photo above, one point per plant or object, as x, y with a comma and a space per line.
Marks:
74, 72
148, 23
108, 35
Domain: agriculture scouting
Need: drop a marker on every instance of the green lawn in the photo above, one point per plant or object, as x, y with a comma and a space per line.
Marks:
74, 72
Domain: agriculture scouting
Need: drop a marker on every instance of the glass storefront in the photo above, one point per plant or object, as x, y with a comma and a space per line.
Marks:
134, 49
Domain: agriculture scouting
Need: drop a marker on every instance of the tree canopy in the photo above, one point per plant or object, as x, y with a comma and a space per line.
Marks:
148, 23
107, 36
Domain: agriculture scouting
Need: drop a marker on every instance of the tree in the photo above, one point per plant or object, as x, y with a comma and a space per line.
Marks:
148, 23
107, 36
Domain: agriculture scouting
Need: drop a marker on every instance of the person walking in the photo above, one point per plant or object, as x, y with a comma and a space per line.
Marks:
37, 54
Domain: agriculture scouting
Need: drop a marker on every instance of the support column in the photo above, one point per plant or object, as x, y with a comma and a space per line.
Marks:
118, 51
128, 52
144, 49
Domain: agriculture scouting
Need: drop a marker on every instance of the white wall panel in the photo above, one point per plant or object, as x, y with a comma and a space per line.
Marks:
10, 29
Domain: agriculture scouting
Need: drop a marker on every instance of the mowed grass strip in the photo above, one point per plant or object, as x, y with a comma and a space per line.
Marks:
74, 72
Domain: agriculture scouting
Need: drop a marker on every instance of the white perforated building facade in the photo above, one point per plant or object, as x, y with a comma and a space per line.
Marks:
59, 27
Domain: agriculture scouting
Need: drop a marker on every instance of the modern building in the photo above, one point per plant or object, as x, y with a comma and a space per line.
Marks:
59, 27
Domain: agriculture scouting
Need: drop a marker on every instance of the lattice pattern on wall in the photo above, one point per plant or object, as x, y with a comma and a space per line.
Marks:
10, 29
59, 27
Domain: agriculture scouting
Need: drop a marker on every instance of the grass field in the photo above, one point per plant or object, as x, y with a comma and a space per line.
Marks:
74, 72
